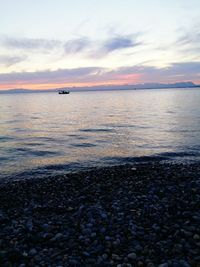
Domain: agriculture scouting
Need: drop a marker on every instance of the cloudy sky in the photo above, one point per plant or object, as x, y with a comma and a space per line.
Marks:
55, 43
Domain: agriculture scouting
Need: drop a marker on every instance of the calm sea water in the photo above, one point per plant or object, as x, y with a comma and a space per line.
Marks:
45, 134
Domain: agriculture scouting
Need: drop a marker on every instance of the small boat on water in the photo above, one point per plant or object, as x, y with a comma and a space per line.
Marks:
63, 92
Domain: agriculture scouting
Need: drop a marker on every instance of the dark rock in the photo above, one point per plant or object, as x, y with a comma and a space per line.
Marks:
32, 252
132, 256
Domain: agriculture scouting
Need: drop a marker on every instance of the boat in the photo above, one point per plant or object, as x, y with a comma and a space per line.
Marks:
63, 92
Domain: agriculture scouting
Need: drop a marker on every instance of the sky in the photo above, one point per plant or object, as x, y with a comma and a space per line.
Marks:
63, 43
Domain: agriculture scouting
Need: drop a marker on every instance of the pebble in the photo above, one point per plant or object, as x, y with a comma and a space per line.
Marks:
32, 252
116, 257
132, 256
184, 263
105, 256
163, 265
196, 237
58, 236
45, 227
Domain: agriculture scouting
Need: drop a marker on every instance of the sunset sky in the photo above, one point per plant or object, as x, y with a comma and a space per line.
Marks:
51, 44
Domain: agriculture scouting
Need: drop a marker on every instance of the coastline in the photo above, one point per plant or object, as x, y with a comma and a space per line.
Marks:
145, 214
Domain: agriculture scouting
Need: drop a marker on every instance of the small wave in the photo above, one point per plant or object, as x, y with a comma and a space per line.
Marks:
44, 138
121, 125
170, 112
3, 158
182, 131
178, 154
96, 130
127, 126
39, 153
20, 130
33, 144
122, 160
13, 121
77, 136
81, 137
83, 145
42, 153
35, 118
5, 138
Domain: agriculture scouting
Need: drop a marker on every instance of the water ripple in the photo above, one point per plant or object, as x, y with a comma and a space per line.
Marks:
96, 130
50, 133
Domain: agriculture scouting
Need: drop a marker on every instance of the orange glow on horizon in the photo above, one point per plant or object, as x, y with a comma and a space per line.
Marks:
120, 80
60, 85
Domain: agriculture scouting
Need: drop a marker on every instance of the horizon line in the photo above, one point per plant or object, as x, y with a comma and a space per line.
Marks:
187, 84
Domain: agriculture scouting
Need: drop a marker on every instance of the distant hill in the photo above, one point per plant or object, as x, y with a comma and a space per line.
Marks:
107, 87
18, 90
23, 90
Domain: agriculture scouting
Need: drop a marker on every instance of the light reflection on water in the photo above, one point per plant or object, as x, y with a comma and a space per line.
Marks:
48, 130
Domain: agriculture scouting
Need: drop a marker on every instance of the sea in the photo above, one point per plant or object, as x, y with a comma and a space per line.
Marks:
45, 134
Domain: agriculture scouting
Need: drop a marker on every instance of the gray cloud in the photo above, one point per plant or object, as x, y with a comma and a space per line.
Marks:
60, 75
189, 40
180, 71
119, 42
176, 72
184, 68
11, 60
100, 48
29, 43
77, 45
81, 45
178, 68
173, 73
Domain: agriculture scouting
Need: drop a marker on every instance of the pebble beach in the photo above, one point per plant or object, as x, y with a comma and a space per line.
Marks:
145, 214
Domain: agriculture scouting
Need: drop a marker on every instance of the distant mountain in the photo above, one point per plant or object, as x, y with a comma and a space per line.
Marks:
107, 87
134, 86
18, 90
23, 90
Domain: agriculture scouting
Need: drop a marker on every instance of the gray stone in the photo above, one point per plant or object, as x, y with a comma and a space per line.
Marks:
184, 263
105, 256
58, 236
45, 226
163, 265
196, 237
32, 252
132, 256
115, 257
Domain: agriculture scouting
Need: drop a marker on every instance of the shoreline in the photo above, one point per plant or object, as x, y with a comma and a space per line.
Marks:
143, 214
